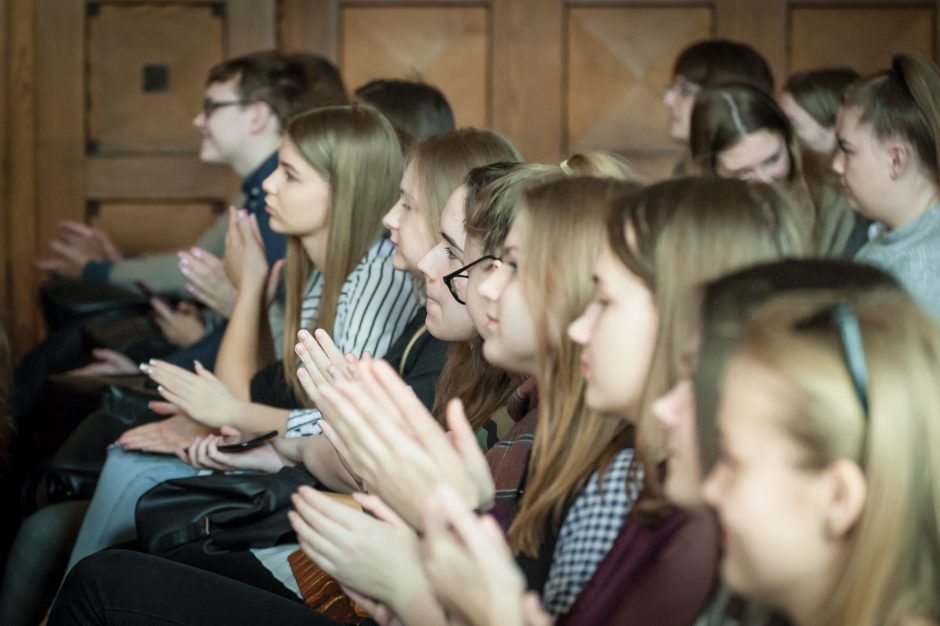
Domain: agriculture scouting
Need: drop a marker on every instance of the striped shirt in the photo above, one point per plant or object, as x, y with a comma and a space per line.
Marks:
375, 304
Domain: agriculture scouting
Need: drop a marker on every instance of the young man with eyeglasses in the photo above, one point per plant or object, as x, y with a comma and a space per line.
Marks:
247, 102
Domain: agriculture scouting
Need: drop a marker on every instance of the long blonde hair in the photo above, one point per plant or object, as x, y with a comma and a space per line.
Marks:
674, 236
566, 228
892, 573
356, 150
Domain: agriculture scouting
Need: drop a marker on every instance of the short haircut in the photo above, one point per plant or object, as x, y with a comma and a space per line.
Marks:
419, 109
714, 62
289, 84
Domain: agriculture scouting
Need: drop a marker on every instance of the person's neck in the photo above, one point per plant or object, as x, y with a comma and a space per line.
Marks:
922, 196
805, 605
254, 155
315, 246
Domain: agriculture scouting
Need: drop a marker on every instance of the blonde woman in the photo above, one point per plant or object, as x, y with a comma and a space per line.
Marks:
644, 289
338, 273
826, 483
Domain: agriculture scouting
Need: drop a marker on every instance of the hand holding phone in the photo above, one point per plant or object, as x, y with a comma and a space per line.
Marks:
249, 444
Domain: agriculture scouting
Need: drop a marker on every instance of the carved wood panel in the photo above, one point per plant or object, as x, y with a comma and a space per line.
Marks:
863, 38
142, 227
446, 46
619, 63
143, 100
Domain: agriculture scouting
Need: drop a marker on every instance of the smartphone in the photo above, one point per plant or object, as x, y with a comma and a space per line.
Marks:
149, 292
242, 446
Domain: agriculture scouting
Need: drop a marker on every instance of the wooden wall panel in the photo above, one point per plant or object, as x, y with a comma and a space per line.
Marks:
21, 206
138, 227
310, 25
759, 23
60, 98
618, 66
527, 76
5, 309
445, 46
128, 110
863, 38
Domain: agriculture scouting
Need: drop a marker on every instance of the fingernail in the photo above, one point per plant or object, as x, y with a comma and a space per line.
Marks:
146, 369
197, 253
299, 348
198, 364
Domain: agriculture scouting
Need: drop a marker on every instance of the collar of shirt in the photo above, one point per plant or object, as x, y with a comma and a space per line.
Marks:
251, 184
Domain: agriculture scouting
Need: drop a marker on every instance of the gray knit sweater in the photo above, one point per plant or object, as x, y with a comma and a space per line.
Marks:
911, 254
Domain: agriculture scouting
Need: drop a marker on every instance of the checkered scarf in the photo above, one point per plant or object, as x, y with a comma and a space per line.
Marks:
589, 530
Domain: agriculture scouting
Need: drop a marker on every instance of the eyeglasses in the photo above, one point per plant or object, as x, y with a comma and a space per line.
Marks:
209, 106
464, 272
683, 87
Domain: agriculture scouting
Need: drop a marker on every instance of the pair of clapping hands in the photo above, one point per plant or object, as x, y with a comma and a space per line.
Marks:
215, 282
418, 476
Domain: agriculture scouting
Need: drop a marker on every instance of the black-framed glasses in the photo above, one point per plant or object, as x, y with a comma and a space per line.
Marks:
210, 106
464, 272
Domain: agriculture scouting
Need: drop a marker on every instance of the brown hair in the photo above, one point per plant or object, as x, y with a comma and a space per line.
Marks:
718, 61
601, 164
904, 102
289, 84
721, 116
419, 109
566, 227
819, 92
673, 236
727, 304
443, 162
356, 151
892, 572
490, 211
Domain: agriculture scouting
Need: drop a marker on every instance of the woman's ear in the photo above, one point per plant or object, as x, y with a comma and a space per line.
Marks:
899, 153
846, 492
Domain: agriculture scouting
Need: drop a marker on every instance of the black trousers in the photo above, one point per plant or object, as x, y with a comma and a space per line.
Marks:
122, 588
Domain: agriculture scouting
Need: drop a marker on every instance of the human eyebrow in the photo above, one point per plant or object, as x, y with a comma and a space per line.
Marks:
773, 158
450, 241
288, 167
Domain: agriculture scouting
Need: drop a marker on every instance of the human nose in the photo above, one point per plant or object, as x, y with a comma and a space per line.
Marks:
391, 219
838, 163
270, 183
582, 328
427, 264
491, 288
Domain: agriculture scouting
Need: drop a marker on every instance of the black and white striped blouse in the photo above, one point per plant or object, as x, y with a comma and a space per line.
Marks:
375, 304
